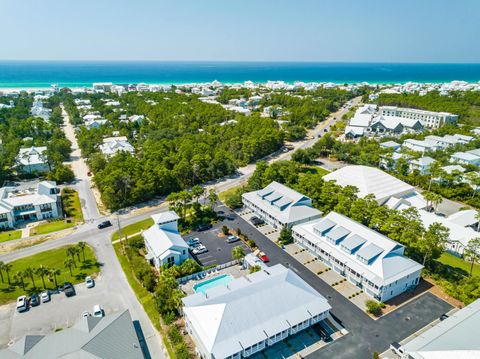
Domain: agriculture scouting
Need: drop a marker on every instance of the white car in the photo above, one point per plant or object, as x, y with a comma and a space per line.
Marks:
45, 296
97, 311
85, 314
200, 249
89, 282
22, 303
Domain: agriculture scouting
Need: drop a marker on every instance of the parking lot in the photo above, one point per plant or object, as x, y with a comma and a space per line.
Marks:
61, 312
219, 251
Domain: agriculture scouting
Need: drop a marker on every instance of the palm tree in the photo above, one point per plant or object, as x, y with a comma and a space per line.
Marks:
28, 272
71, 252
212, 198
42, 272
433, 200
54, 272
7, 267
197, 192
69, 263
77, 253
1, 270
19, 277
81, 247
472, 250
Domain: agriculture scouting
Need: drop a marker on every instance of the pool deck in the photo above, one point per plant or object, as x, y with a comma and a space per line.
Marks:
235, 271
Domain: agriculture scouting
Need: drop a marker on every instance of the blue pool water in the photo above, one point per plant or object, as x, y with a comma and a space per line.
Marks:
76, 73
213, 282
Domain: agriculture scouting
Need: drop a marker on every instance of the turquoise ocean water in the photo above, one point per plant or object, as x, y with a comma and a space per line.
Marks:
43, 73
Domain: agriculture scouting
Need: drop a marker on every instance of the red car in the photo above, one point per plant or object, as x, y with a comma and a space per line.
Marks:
263, 257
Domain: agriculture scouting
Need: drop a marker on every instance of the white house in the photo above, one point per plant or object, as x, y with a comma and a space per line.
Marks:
459, 235
33, 159
366, 258
16, 206
94, 123
251, 313
113, 145
280, 206
420, 145
38, 110
386, 189
465, 218
428, 119
454, 337
163, 242
421, 164
391, 145
465, 158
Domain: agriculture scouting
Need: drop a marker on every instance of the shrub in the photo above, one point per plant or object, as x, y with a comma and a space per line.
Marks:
239, 232
373, 307
251, 243
225, 230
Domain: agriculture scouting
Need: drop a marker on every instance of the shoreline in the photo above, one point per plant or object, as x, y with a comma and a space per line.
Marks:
78, 86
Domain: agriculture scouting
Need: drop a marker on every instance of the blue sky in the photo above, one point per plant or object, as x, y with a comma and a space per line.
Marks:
242, 30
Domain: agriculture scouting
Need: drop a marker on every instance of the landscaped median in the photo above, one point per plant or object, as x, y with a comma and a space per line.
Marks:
46, 270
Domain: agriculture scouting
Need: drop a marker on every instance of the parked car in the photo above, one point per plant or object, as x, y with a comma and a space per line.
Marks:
68, 289
194, 242
232, 239
443, 316
97, 311
104, 224
256, 221
34, 300
22, 303
89, 282
203, 227
86, 314
263, 257
45, 296
200, 249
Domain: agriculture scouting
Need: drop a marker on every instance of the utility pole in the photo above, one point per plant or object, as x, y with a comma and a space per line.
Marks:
120, 231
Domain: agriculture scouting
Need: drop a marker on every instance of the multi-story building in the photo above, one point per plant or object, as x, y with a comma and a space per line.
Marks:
428, 119
366, 258
252, 313
280, 206
17, 206
33, 160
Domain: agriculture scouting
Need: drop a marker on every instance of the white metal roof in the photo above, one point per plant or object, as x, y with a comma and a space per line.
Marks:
454, 337
283, 203
464, 218
387, 262
231, 318
370, 180
163, 241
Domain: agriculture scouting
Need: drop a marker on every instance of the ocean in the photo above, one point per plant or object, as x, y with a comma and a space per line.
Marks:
31, 74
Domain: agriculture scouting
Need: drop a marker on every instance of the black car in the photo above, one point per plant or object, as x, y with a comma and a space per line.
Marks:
443, 316
34, 300
256, 221
104, 224
68, 289
203, 227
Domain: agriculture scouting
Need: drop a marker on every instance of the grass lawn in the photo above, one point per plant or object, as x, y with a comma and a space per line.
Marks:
453, 261
144, 296
134, 228
52, 259
71, 204
49, 227
9, 235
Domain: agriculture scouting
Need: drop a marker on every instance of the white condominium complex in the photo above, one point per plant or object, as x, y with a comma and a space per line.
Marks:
366, 258
428, 119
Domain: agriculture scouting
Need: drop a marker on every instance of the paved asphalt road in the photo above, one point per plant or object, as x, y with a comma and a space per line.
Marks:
365, 334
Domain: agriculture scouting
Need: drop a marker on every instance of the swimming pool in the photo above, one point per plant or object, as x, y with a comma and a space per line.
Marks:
223, 279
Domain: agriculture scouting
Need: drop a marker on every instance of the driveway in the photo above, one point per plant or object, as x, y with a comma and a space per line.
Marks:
365, 334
